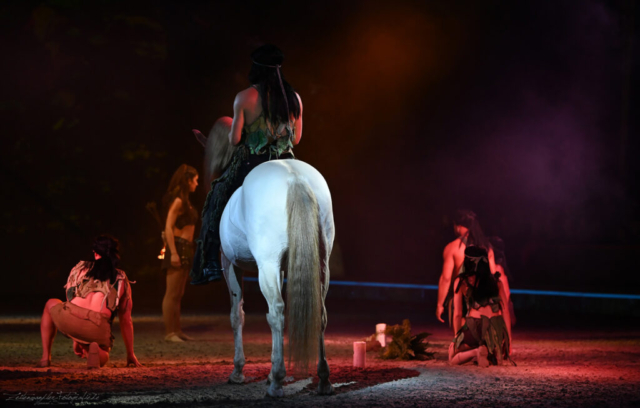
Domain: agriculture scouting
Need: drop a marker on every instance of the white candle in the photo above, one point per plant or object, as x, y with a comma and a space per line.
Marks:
380, 336
359, 354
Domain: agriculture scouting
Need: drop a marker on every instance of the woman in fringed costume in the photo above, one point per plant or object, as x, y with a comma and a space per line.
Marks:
484, 333
96, 291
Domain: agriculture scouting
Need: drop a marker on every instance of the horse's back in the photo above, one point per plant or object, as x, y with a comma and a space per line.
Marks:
266, 187
276, 175
257, 212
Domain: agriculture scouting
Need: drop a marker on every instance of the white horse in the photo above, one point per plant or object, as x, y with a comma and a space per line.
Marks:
279, 222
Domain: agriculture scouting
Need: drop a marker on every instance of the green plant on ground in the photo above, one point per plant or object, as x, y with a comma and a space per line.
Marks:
405, 346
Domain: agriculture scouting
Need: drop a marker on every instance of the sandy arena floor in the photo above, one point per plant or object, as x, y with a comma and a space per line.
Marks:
556, 368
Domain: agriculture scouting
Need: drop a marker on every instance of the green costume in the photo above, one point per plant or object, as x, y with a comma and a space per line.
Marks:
484, 331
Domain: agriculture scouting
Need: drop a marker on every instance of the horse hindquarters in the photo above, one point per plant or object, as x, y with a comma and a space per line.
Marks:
303, 287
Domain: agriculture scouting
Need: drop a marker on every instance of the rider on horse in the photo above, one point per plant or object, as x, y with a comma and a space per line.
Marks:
267, 123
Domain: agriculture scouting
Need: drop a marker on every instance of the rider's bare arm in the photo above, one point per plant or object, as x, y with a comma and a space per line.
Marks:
298, 124
238, 118
448, 265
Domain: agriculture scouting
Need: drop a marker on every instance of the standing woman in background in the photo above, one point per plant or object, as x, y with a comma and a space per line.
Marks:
179, 227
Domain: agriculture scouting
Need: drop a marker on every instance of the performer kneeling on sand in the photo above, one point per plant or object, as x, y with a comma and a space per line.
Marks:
469, 233
95, 291
267, 123
485, 332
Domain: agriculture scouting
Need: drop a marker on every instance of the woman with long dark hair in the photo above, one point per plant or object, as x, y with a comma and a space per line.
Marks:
95, 291
485, 333
267, 123
180, 225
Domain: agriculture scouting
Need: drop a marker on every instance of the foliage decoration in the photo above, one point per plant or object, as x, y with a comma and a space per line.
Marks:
405, 346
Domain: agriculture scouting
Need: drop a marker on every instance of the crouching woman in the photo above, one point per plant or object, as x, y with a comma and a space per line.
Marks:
485, 333
95, 292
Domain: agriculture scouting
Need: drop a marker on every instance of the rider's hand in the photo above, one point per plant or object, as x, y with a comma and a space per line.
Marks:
175, 260
439, 311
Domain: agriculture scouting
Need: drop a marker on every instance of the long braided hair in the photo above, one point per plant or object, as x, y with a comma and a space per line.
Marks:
497, 244
476, 263
264, 72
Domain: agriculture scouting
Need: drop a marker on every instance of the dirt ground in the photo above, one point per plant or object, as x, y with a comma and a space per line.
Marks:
556, 367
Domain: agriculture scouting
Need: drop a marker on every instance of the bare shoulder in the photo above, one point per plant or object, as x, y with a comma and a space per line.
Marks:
125, 293
176, 202
248, 95
452, 247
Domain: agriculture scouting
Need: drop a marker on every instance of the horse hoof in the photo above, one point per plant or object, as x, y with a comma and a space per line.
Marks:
275, 393
236, 379
325, 389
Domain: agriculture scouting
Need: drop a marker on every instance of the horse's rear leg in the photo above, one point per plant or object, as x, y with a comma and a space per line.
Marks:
270, 278
324, 386
234, 282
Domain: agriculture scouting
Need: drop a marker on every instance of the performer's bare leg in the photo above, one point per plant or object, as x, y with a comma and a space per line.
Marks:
463, 356
48, 332
176, 277
96, 357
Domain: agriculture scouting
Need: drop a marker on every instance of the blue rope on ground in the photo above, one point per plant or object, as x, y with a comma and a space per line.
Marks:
516, 291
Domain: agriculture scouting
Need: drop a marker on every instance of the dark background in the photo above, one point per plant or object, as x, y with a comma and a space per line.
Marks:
523, 111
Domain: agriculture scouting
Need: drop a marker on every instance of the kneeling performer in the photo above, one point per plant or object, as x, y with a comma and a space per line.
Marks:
95, 291
485, 332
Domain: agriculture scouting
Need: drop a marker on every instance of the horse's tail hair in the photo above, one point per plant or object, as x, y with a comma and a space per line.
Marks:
218, 150
303, 281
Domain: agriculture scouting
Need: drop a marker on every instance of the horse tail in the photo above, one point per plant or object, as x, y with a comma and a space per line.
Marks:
217, 150
303, 281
